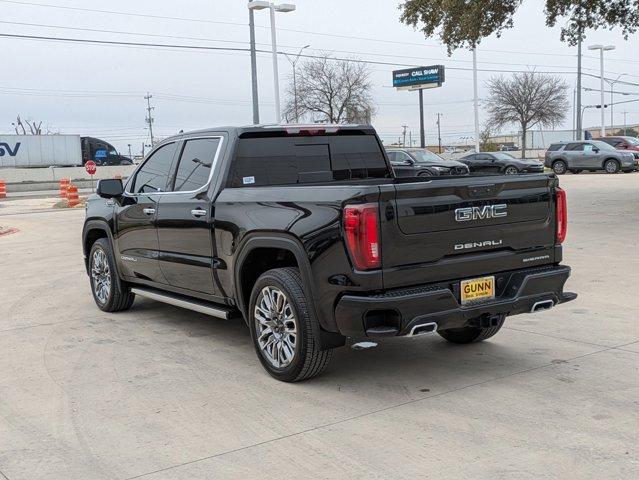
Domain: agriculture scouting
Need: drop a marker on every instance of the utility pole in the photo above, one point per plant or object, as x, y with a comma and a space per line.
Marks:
602, 49
256, 106
404, 135
149, 118
475, 99
439, 133
579, 126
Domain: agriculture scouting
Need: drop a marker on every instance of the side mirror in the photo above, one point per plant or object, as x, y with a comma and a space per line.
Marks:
110, 188
596, 150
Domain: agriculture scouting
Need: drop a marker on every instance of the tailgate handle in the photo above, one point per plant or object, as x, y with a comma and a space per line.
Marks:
480, 191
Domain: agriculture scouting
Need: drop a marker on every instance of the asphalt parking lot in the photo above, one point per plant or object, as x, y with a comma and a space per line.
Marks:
163, 393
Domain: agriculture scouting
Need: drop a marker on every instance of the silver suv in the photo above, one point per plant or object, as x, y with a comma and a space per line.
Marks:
588, 155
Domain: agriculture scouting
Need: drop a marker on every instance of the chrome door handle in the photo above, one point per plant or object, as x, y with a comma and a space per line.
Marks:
148, 211
198, 212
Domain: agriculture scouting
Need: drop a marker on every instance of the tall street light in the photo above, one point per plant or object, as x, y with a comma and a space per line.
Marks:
294, 64
612, 93
601, 49
282, 7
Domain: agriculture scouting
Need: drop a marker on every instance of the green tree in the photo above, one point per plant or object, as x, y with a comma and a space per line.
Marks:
464, 23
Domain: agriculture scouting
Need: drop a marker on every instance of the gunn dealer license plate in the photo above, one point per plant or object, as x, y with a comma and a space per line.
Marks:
477, 290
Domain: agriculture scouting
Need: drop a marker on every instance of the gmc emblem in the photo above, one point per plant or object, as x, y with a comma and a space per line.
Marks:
481, 213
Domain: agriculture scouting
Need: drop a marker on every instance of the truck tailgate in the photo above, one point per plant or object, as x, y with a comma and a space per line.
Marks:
435, 231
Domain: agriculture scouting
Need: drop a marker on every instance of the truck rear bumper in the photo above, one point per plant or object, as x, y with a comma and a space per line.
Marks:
404, 311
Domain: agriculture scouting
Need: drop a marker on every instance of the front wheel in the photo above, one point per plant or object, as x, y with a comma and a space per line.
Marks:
510, 170
109, 293
611, 166
471, 334
282, 327
559, 167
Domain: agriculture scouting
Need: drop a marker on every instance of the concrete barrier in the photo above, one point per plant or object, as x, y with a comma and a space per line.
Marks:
54, 174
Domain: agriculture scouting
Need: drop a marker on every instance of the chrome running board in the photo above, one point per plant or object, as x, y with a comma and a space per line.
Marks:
184, 302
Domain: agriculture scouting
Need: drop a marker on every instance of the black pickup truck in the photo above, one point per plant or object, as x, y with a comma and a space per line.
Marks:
305, 233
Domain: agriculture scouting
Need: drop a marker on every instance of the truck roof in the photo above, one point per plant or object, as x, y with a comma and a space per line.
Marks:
263, 128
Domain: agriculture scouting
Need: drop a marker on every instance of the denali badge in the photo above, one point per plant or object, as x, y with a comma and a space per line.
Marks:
481, 213
128, 259
485, 243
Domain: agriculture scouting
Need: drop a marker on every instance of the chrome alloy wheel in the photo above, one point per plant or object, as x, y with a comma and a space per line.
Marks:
511, 171
101, 275
275, 327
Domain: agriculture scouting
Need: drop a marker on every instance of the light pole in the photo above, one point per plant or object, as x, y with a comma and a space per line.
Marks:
612, 92
294, 64
254, 92
475, 99
282, 7
601, 49
129, 145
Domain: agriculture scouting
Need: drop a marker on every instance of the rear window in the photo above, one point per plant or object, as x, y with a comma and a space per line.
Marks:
554, 147
288, 160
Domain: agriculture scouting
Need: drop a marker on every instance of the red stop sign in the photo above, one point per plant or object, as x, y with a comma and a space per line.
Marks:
90, 167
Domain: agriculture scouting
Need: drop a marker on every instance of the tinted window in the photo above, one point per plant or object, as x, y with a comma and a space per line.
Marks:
195, 165
554, 147
392, 156
290, 160
484, 157
574, 147
469, 158
402, 157
154, 174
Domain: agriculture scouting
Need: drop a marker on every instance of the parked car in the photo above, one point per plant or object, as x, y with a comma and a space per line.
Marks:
420, 162
305, 233
624, 143
509, 148
591, 155
500, 163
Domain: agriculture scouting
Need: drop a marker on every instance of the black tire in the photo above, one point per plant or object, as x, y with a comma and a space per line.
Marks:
511, 170
611, 166
576, 172
424, 174
119, 296
308, 360
559, 167
471, 334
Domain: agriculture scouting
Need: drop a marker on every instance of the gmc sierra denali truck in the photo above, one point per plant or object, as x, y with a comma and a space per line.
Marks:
305, 233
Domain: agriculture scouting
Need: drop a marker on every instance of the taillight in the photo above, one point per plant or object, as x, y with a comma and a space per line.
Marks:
562, 215
361, 228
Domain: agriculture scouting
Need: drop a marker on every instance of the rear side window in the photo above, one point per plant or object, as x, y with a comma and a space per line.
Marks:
288, 160
196, 161
574, 147
554, 147
154, 174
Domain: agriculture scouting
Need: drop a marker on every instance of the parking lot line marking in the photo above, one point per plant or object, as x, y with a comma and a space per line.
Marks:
374, 412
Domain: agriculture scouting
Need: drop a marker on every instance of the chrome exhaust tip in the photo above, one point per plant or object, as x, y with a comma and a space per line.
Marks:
543, 305
422, 329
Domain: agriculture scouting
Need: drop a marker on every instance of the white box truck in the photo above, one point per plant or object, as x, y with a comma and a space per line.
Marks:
27, 151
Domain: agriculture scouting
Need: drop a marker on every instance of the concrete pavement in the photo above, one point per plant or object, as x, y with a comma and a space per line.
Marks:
163, 393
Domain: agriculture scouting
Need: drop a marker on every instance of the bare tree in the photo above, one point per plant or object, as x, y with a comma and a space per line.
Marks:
331, 91
527, 99
35, 128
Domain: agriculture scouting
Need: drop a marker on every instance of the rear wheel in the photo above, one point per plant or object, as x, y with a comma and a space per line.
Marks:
109, 292
559, 167
282, 329
471, 334
611, 166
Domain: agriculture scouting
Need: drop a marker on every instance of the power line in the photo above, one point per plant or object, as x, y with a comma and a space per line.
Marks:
305, 32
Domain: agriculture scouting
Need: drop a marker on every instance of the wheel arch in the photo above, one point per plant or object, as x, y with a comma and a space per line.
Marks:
290, 249
92, 231
603, 164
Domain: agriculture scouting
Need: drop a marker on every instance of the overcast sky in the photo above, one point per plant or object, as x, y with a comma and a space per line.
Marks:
98, 90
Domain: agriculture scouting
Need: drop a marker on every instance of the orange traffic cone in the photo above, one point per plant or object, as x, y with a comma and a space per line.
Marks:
64, 184
72, 196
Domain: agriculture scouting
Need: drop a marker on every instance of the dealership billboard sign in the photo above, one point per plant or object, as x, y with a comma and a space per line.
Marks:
419, 77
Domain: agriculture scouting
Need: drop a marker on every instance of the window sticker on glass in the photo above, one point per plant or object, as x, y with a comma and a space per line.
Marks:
248, 180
